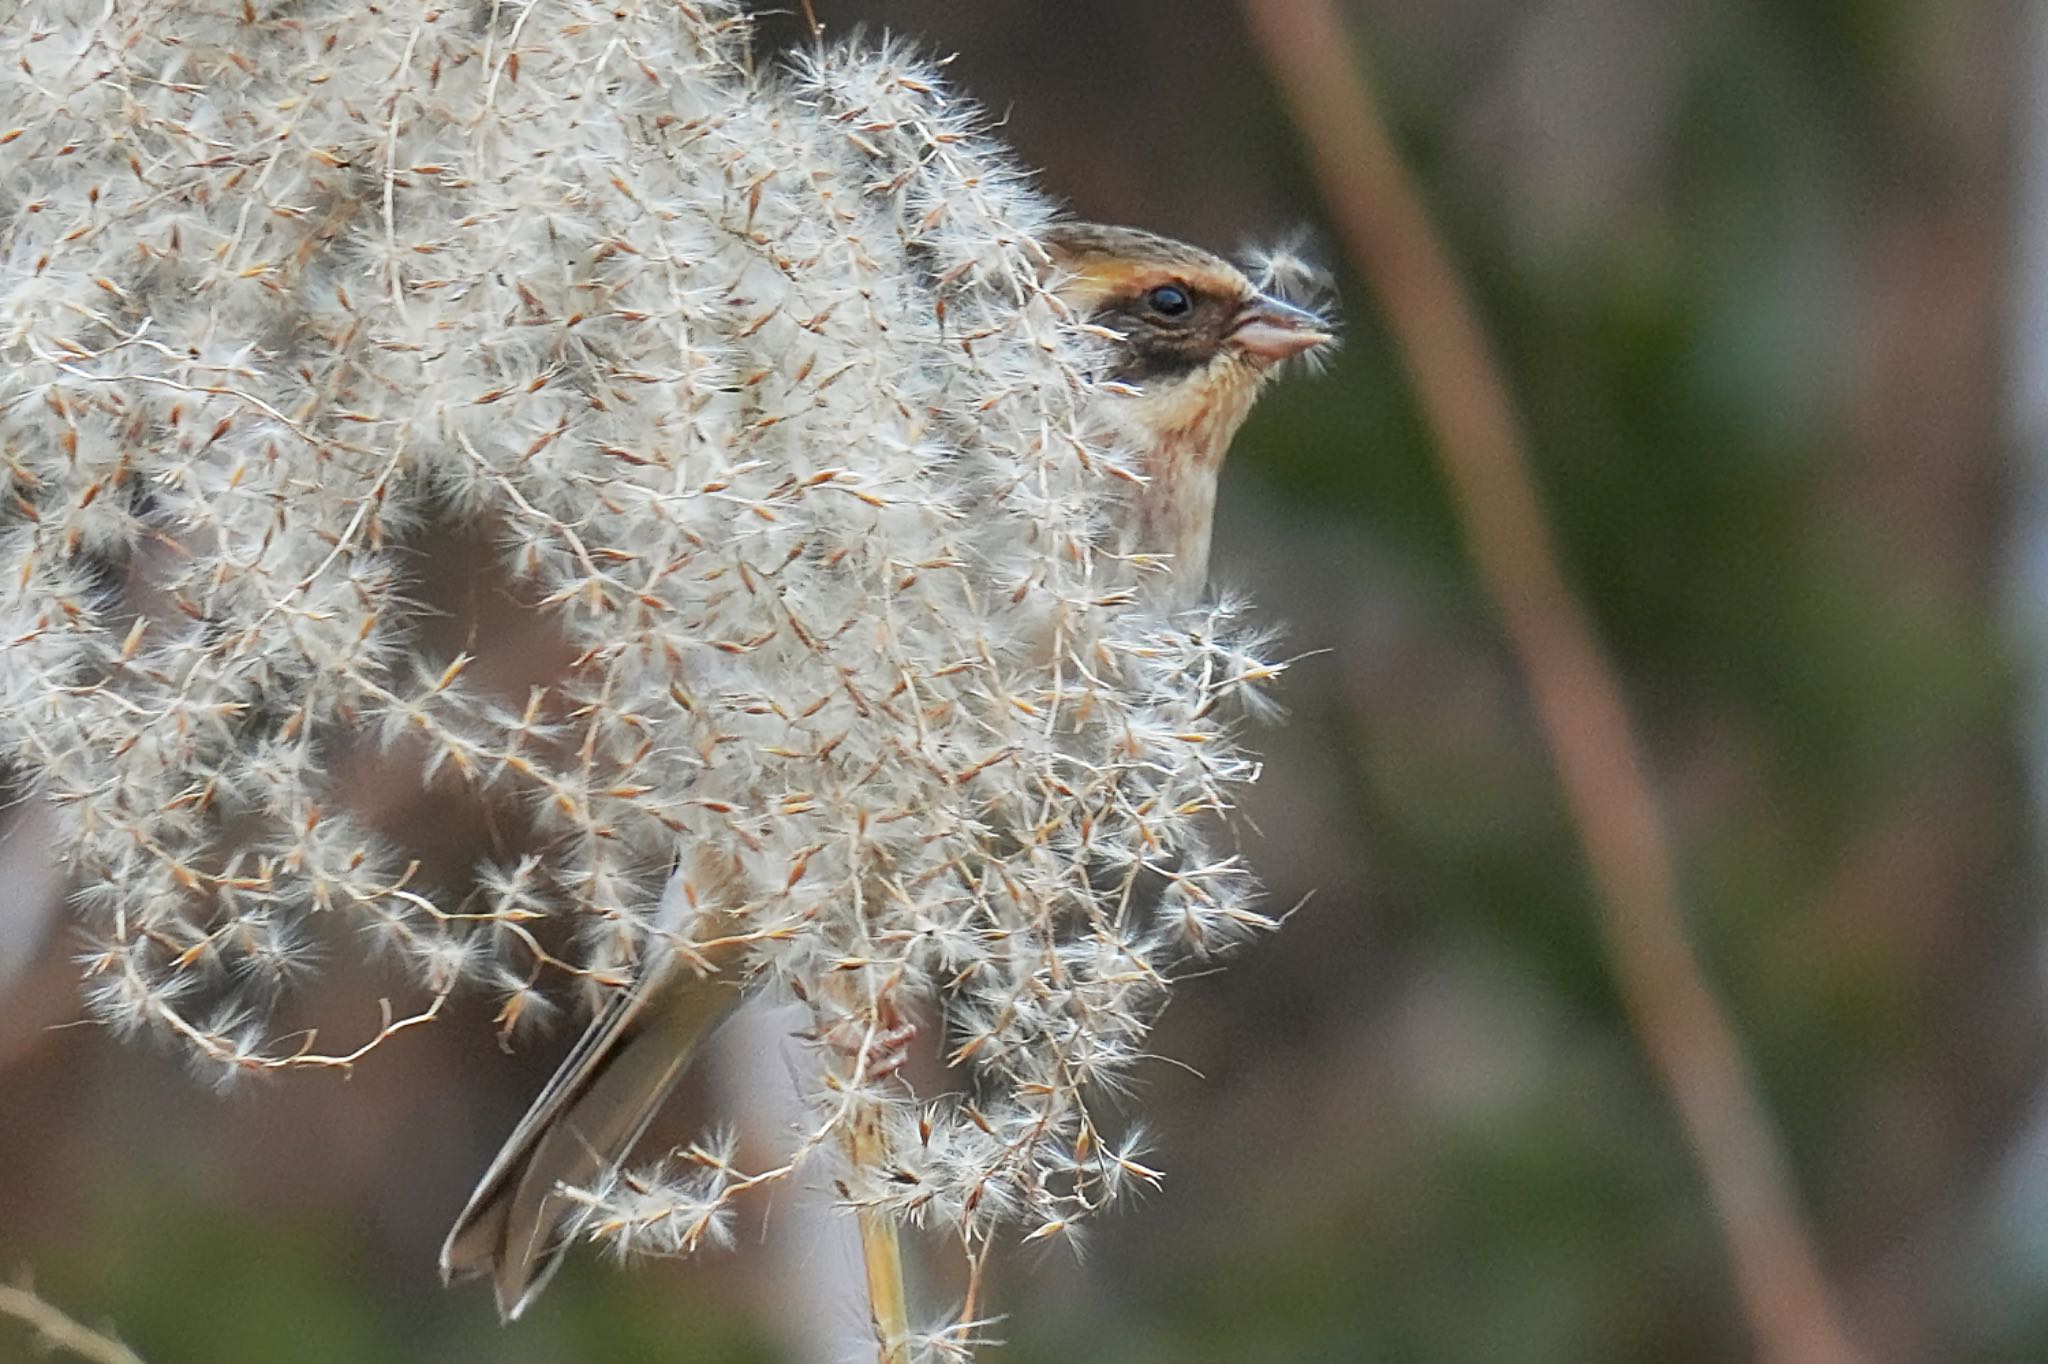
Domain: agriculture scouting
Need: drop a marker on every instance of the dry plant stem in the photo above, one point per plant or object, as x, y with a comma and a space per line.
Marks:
1577, 698
58, 1331
880, 1250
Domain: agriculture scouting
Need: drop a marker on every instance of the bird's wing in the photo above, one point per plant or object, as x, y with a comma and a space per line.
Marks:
593, 1110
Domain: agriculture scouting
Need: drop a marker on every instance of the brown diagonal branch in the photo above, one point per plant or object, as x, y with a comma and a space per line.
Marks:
1577, 699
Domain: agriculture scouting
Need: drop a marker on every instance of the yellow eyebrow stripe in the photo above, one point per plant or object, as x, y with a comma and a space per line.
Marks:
1099, 281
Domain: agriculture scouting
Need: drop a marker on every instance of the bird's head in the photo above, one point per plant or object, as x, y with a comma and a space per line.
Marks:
1193, 342
1186, 317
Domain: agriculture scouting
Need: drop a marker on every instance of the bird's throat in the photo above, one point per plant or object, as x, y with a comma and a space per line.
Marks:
1175, 509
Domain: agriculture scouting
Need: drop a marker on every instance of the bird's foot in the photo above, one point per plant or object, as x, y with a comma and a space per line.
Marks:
874, 1048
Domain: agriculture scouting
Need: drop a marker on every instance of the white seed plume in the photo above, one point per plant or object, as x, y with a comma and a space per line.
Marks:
754, 381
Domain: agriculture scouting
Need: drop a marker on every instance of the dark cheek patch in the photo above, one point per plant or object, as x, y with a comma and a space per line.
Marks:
1150, 360
1155, 353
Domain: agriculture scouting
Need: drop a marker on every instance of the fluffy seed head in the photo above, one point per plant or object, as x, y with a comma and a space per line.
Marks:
759, 390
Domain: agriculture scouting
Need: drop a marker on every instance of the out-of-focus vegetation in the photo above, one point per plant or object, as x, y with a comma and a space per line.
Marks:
1749, 268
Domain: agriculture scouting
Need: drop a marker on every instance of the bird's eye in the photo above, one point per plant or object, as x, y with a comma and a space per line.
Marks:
1169, 300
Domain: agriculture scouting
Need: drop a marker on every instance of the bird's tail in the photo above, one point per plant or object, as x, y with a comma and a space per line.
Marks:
593, 1110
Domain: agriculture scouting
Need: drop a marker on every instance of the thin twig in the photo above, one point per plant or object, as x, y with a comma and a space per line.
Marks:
880, 1248
58, 1331
867, 1149
1577, 698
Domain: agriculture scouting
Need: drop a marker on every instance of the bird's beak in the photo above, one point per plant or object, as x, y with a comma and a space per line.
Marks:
1270, 331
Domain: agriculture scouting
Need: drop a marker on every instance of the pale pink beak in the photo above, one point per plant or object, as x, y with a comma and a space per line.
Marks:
1270, 331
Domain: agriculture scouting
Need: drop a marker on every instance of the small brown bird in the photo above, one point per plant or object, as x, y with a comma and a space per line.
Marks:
1195, 343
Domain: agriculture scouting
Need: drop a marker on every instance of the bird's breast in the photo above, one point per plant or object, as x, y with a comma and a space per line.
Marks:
1184, 434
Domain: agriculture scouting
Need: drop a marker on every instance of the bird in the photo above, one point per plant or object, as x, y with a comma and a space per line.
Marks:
1190, 342
1195, 343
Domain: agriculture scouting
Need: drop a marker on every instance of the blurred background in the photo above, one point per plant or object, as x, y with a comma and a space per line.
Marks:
1769, 282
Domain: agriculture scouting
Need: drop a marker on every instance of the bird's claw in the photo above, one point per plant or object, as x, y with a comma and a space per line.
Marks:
874, 1049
